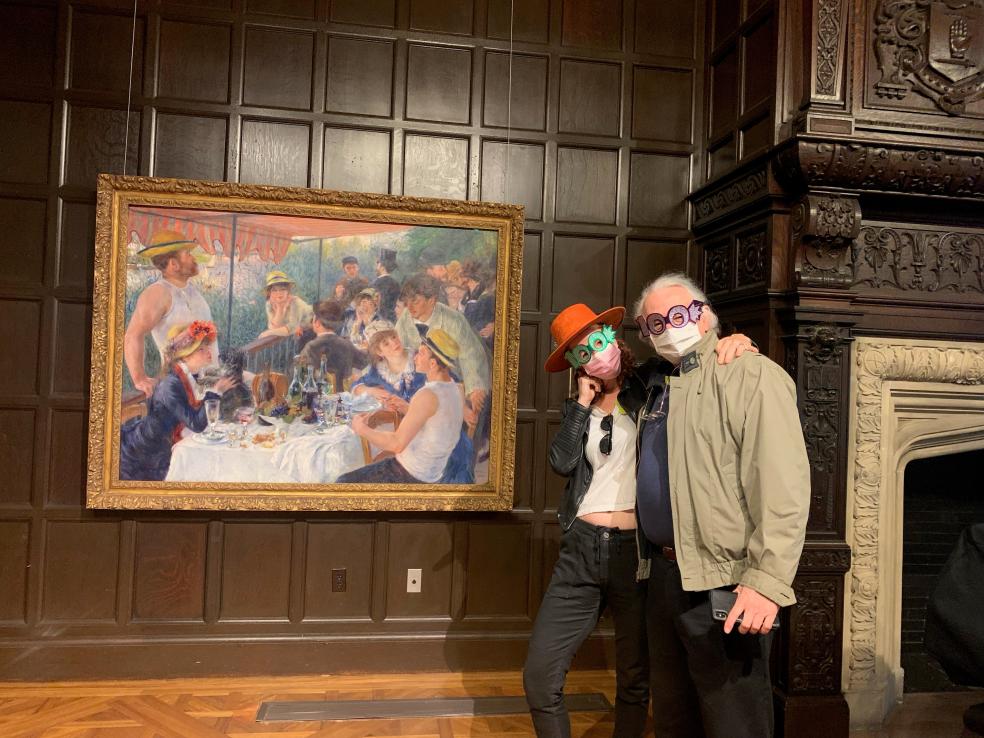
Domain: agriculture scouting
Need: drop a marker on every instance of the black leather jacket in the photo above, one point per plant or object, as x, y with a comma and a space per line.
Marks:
567, 459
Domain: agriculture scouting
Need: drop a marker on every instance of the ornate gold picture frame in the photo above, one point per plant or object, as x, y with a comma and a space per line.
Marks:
274, 348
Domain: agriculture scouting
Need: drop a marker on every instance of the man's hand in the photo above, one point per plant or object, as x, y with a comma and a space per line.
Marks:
757, 612
145, 385
397, 404
477, 400
487, 331
731, 347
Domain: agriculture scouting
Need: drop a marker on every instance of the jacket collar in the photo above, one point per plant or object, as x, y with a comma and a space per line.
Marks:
699, 354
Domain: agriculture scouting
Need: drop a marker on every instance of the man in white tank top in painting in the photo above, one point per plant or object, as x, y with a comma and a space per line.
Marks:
171, 300
431, 429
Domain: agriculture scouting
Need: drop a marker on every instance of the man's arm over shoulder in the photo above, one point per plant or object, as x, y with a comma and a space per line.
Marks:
774, 472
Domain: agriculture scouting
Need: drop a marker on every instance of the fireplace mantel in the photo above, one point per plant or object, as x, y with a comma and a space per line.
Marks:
912, 399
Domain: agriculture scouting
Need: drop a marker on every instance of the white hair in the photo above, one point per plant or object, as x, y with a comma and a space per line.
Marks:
677, 279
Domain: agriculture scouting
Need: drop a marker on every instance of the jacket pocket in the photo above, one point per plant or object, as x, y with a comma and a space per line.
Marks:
724, 516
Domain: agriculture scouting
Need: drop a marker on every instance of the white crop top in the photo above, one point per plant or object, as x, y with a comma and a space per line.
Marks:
613, 484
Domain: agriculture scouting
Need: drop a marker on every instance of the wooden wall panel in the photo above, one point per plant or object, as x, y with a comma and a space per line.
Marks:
100, 51
23, 226
425, 546
601, 83
583, 268
66, 455
194, 61
190, 147
80, 571
95, 144
662, 104
658, 185
594, 24
501, 591
27, 45
275, 153
439, 84
29, 124
70, 362
514, 173
169, 571
288, 8
20, 322
380, 13
527, 106
347, 546
529, 335
645, 260
435, 166
665, 29
16, 456
528, 21
76, 245
256, 567
14, 539
279, 68
357, 160
587, 185
409, 96
360, 76
526, 464
442, 16
532, 247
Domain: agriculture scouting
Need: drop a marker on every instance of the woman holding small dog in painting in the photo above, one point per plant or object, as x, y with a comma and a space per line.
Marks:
146, 442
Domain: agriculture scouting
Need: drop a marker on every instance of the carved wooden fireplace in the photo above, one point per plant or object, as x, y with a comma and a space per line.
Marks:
852, 248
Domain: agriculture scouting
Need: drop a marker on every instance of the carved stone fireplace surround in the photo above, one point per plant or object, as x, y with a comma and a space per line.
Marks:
911, 399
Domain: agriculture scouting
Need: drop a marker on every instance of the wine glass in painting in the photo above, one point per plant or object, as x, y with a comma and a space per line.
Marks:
212, 415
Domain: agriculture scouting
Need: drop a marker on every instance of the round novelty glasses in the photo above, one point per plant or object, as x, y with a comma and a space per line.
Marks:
580, 355
676, 317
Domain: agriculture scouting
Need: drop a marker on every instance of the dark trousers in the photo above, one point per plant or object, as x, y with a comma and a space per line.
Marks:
704, 683
596, 568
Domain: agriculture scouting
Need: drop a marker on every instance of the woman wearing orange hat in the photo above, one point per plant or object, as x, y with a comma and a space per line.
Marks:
601, 561
146, 442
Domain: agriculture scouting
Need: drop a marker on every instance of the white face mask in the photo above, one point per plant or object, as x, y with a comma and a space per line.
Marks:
674, 343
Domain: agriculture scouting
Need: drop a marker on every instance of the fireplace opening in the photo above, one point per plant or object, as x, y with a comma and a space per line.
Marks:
943, 495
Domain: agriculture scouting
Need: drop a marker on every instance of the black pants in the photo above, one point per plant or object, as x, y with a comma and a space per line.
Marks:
596, 568
699, 675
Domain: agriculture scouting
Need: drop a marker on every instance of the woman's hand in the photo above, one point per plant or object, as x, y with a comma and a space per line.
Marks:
397, 404
588, 388
731, 347
226, 383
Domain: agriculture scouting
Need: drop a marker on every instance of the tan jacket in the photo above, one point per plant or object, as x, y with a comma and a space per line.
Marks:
739, 473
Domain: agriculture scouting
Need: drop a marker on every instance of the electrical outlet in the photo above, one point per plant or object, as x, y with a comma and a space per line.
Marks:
413, 580
338, 580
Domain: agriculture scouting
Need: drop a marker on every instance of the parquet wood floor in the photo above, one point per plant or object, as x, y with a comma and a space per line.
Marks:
226, 708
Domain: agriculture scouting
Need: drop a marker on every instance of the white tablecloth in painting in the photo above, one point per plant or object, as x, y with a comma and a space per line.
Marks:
305, 457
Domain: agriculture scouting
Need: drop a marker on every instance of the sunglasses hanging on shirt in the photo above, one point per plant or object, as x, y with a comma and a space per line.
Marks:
605, 446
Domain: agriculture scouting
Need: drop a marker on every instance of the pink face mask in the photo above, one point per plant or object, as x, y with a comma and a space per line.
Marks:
605, 364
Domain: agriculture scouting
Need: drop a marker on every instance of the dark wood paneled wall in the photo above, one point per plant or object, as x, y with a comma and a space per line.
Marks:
593, 124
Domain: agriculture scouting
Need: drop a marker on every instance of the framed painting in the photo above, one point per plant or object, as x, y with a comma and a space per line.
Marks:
270, 348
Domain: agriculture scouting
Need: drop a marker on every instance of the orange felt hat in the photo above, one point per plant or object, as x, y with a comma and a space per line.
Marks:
571, 321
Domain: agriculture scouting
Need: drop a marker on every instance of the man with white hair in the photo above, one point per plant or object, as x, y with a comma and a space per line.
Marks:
722, 496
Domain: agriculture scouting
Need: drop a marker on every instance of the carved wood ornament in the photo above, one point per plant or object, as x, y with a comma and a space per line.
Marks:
933, 47
823, 228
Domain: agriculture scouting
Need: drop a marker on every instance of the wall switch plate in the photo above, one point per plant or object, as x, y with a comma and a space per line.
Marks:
413, 580
338, 580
